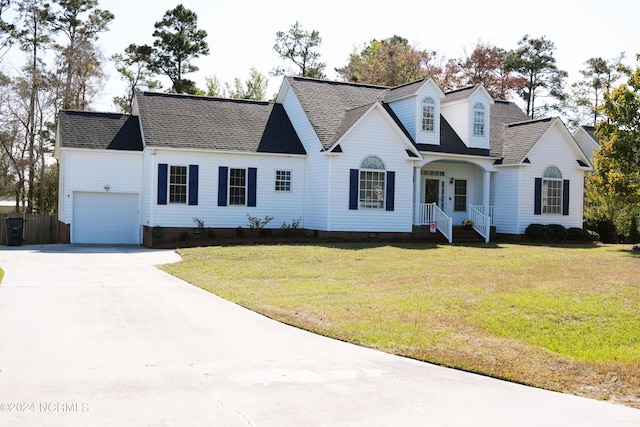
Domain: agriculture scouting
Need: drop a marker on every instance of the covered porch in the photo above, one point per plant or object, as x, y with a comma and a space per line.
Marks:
450, 191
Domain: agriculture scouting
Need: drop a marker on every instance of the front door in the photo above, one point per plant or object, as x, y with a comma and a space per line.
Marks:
434, 192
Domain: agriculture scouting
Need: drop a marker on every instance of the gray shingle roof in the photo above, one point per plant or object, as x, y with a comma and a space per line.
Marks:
99, 131
327, 104
185, 121
458, 94
591, 131
519, 138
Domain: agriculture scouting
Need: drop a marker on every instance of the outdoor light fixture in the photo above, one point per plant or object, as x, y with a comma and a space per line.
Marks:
107, 187
451, 180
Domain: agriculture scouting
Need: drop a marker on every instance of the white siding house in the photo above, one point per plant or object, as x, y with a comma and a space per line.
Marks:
339, 158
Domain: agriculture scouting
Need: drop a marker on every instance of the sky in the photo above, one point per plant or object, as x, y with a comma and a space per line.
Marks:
241, 34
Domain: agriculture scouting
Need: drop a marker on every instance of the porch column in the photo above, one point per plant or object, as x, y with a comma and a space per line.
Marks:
486, 191
486, 200
416, 195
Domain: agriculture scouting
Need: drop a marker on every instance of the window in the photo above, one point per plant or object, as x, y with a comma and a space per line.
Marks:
552, 191
428, 114
478, 120
372, 183
178, 184
460, 195
237, 186
283, 180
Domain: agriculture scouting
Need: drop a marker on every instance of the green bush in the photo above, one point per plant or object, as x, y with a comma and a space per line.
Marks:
582, 235
537, 232
634, 234
557, 232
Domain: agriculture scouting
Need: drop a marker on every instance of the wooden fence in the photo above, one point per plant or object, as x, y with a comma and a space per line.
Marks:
37, 229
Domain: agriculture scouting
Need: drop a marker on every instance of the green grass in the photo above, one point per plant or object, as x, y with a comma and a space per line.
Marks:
559, 317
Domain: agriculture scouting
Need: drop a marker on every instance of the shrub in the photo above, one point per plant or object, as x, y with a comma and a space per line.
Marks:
184, 236
634, 234
582, 235
557, 231
293, 228
607, 231
536, 232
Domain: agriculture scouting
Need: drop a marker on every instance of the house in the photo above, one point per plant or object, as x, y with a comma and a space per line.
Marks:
341, 158
587, 140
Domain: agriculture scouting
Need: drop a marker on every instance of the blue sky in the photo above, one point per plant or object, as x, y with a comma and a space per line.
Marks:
241, 34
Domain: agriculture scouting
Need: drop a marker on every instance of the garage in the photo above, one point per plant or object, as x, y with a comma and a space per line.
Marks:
105, 218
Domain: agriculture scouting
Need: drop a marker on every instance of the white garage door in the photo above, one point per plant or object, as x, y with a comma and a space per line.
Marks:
110, 218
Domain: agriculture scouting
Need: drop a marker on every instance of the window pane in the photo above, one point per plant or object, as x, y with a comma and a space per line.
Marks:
372, 188
460, 195
178, 184
552, 196
237, 186
283, 180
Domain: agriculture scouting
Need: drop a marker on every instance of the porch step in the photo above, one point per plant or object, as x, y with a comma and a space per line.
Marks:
464, 235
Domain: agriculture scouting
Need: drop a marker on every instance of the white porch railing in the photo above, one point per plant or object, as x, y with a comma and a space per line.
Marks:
481, 222
481, 209
430, 212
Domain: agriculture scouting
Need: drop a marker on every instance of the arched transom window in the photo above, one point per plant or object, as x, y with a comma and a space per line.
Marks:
478, 119
372, 183
552, 190
428, 114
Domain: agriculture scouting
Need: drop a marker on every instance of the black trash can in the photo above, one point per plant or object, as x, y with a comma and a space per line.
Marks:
14, 231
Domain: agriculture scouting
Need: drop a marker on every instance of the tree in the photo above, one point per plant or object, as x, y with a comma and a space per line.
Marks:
255, 88
34, 36
485, 66
5, 29
535, 62
134, 70
178, 42
393, 62
618, 159
299, 47
582, 107
81, 22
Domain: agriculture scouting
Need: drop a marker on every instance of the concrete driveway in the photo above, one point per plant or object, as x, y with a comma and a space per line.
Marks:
98, 336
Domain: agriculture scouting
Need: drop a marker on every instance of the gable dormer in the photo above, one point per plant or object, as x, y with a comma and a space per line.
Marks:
468, 112
417, 105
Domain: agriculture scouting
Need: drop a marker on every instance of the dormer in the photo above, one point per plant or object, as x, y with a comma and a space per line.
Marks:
417, 105
468, 112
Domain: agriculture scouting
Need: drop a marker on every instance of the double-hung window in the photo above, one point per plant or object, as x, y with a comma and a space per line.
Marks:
237, 186
552, 191
178, 184
372, 183
478, 119
428, 114
460, 195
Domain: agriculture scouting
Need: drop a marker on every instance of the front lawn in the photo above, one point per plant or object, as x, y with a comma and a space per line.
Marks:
564, 318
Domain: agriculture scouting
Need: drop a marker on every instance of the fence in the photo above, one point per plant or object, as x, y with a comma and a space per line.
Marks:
37, 229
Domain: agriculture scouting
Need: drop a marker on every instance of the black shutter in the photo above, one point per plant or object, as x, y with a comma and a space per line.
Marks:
163, 172
252, 181
565, 197
537, 204
193, 184
391, 191
223, 173
353, 189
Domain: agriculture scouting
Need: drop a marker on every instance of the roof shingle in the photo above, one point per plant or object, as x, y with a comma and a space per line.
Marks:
99, 131
186, 121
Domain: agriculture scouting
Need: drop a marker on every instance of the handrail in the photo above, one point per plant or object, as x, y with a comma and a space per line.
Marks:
481, 209
431, 212
481, 222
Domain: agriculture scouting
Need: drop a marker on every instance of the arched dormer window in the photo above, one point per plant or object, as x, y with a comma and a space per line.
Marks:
552, 191
372, 183
428, 114
478, 119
